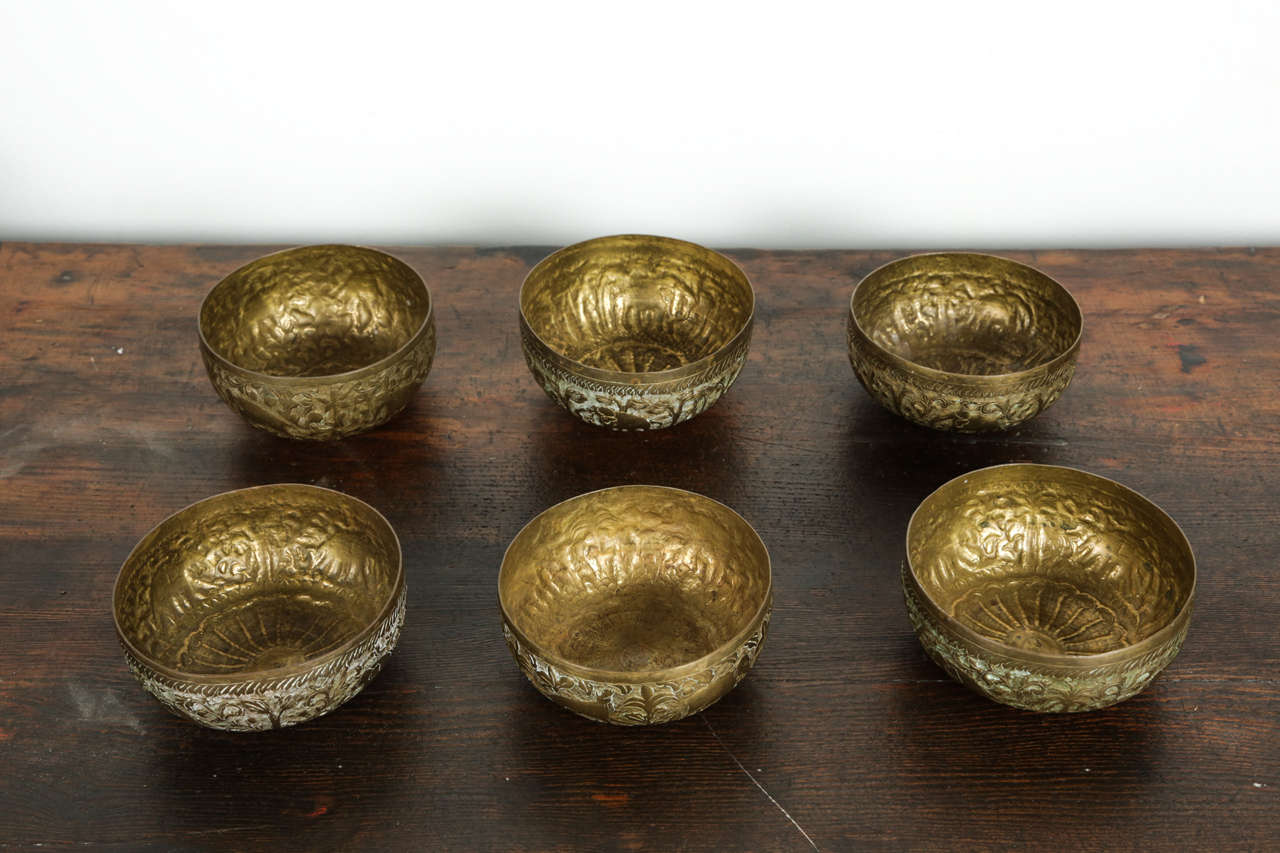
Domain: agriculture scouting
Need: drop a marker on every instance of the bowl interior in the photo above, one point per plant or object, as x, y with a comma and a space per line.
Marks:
636, 304
314, 311
969, 314
634, 579
1050, 560
257, 579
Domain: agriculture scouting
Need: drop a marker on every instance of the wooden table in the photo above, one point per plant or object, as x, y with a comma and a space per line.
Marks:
844, 737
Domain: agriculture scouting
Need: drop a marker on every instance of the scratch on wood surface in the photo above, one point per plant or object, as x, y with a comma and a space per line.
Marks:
756, 782
102, 706
15, 456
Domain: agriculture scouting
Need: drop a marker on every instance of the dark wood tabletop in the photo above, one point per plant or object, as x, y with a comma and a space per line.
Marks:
844, 736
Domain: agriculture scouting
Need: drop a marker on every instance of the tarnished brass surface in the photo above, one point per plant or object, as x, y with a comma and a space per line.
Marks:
636, 604
262, 607
635, 332
1047, 588
963, 342
318, 342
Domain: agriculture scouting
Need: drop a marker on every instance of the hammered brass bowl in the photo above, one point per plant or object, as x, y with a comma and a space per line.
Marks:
318, 342
963, 342
263, 607
636, 604
1047, 588
635, 332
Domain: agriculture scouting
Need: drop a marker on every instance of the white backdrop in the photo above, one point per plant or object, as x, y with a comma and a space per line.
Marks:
984, 124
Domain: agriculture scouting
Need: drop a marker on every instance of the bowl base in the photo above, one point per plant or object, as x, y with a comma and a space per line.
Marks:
1048, 614
327, 352
641, 628
265, 632
985, 359
641, 355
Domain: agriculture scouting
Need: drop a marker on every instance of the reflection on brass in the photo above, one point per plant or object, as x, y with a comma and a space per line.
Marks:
318, 342
963, 342
636, 604
635, 332
262, 607
1047, 588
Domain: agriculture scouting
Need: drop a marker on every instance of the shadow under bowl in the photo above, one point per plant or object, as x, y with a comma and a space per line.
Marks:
636, 604
318, 342
1047, 588
263, 607
634, 332
961, 341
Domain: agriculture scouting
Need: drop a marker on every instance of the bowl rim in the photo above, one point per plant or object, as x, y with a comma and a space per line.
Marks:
648, 676
993, 379
277, 672
321, 378
622, 377
1062, 661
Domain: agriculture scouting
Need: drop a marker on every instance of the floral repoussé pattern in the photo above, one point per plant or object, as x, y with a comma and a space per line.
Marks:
963, 342
275, 703
319, 409
952, 406
620, 406
1032, 688
637, 704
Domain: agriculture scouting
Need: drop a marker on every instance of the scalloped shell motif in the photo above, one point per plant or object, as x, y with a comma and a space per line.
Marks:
635, 407
273, 704
638, 704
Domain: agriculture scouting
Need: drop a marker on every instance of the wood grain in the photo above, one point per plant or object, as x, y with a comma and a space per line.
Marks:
844, 734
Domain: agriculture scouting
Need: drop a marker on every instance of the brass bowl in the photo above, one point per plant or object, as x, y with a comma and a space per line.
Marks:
636, 604
1047, 588
963, 342
635, 332
262, 607
318, 342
